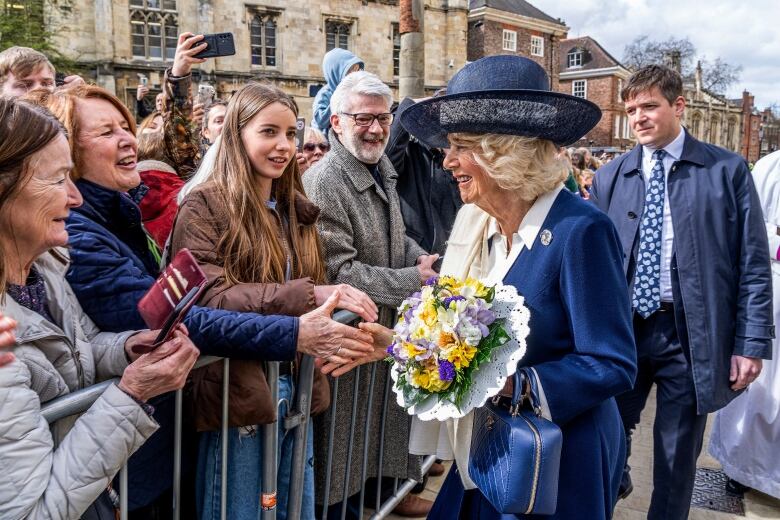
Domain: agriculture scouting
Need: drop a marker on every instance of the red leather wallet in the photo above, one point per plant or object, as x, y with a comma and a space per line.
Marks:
175, 282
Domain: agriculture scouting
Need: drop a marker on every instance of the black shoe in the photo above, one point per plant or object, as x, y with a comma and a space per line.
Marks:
626, 486
735, 488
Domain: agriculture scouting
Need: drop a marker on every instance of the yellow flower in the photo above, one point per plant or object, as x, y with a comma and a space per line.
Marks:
412, 350
427, 378
460, 356
429, 313
479, 288
450, 282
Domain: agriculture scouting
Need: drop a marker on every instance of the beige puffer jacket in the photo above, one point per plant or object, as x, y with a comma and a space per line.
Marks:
46, 477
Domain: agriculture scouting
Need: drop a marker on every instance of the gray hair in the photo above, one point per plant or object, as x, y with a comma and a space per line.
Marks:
358, 83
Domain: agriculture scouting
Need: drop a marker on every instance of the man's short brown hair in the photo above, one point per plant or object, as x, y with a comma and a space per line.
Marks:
667, 80
21, 62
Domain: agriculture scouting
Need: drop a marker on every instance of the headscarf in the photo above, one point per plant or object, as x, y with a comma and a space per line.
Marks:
335, 65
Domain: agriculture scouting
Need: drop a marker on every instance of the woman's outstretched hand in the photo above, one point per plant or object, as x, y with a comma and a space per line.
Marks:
352, 299
322, 337
381, 337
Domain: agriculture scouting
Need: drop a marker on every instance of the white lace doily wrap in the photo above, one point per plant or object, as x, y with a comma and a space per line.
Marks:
491, 375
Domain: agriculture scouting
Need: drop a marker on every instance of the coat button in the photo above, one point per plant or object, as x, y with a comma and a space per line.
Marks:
631, 215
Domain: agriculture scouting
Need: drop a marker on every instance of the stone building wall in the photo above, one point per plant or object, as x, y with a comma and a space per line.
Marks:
98, 34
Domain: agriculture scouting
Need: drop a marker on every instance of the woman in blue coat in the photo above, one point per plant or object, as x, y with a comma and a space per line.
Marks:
561, 254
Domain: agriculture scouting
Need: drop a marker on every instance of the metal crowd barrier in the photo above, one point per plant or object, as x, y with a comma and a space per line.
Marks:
297, 419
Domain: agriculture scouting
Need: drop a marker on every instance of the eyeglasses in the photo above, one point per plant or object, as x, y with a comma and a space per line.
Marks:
310, 147
368, 119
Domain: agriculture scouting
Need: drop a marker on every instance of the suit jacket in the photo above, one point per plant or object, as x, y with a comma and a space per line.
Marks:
720, 247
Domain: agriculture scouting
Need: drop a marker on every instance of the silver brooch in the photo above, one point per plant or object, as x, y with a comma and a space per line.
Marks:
546, 237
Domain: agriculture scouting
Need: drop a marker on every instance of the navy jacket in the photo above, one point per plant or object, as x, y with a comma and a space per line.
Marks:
111, 269
721, 252
581, 345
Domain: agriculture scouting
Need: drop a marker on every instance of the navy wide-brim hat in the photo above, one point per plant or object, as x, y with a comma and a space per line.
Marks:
501, 95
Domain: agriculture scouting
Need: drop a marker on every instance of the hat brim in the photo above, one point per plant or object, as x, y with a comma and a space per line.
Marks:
557, 117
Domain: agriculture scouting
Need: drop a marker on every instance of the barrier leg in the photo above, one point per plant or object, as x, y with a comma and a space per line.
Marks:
300, 418
123, 512
366, 438
224, 439
351, 445
270, 449
331, 434
177, 456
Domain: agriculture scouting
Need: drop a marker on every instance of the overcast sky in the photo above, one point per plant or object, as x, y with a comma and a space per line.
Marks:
741, 32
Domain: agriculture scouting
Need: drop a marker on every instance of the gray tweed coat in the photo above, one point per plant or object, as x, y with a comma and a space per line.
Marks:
365, 246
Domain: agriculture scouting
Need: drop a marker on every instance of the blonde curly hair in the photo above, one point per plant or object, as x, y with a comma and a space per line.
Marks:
528, 166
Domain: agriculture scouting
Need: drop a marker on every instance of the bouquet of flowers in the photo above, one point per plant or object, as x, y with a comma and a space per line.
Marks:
449, 332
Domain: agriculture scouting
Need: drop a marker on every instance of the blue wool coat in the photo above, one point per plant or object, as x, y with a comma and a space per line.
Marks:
581, 344
111, 269
720, 244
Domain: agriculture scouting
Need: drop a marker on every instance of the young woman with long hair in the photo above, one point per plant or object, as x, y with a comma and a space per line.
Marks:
253, 231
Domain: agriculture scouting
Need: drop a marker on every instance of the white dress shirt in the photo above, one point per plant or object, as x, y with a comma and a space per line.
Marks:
673, 153
501, 258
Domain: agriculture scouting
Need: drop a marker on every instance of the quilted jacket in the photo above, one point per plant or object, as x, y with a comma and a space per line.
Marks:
112, 268
54, 359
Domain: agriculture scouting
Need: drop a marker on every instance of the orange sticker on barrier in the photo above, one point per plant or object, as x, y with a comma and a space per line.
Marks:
268, 501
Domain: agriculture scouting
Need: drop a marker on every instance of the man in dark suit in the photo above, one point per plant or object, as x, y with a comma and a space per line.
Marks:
696, 252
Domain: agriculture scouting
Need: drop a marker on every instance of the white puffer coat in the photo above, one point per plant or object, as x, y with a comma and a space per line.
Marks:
46, 477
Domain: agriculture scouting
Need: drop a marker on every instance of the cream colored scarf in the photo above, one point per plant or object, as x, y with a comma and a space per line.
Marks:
466, 255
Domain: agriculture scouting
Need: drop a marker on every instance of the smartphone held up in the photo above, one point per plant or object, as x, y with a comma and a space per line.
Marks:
218, 44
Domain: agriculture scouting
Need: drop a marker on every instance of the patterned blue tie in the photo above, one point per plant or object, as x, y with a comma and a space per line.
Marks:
647, 281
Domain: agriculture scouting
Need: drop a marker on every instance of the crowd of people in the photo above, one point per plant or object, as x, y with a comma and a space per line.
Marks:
652, 267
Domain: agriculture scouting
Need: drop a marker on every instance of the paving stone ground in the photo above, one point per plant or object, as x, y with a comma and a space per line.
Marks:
757, 505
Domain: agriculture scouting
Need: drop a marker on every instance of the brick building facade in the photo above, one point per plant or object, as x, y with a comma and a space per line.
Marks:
590, 72
515, 27
278, 40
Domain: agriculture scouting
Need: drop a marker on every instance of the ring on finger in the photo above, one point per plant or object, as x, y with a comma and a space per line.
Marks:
337, 351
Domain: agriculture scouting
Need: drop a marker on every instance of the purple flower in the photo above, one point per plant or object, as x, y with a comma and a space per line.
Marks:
432, 280
391, 349
446, 370
450, 299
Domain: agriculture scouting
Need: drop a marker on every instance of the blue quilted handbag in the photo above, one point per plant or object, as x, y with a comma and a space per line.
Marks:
515, 453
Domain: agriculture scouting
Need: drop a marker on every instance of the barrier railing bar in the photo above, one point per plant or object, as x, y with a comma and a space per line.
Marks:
366, 437
329, 460
402, 491
123, 509
300, 413
351, 444
177, 455
382, 422
224, 439
75, 402
270, 448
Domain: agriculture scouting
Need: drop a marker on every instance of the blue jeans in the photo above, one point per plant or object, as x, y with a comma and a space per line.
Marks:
245, 469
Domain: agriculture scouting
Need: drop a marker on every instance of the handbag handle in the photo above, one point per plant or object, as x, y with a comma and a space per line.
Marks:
525, 389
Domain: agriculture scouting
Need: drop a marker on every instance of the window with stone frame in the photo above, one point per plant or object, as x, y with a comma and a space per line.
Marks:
396, 49
537, 46
579, 88
574, 58
696, 125
509, 40
262, 38
154, 29
337, 33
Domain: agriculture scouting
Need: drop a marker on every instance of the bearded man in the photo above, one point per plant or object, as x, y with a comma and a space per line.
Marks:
366, 247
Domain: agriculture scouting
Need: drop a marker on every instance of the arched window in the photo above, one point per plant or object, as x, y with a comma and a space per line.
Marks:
154, 29
337, 33
714, 130
696, 125
262, 31
731, 134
